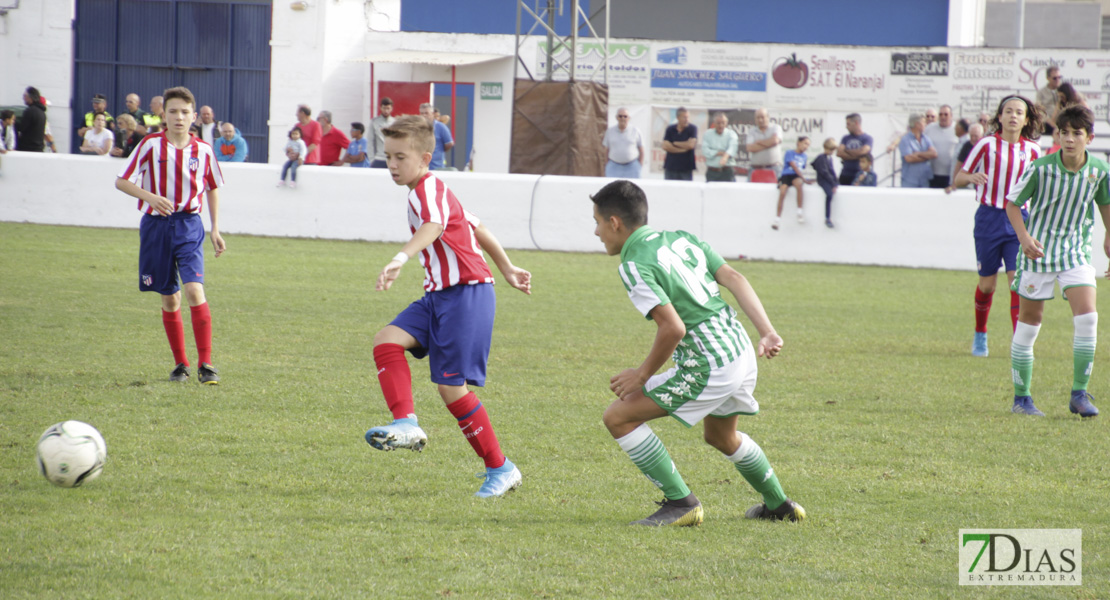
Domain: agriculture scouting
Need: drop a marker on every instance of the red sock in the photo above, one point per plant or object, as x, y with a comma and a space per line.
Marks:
395, 378
175, 332
202, 332
982, 310
474, 423
1015, 304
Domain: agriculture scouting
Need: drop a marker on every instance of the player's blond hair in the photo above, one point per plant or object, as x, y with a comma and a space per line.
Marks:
181, 93
414, 128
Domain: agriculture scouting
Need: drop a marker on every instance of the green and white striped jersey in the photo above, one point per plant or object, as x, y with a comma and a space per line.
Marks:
1061, 210
675, 267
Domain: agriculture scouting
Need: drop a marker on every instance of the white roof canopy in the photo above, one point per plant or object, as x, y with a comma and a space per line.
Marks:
431, 57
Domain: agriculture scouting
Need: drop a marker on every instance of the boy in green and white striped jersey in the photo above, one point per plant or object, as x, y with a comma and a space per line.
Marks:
1056, 246
674, 279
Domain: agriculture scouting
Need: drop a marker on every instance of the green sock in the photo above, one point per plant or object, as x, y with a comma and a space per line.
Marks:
1083, 349
653, 460
1021, 357
756, 469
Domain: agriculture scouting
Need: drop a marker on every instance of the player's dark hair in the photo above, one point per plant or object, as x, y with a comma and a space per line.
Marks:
1076, 116
181, 93
416, 128
623, 199
1033, 117
359, 127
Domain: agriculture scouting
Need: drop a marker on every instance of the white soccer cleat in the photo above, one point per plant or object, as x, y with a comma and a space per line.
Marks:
401, 433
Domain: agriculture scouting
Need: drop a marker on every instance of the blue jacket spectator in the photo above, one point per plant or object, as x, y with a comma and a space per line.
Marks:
231, 147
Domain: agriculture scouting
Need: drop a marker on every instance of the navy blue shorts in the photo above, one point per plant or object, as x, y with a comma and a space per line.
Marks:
454, 328
169, 247
995, 241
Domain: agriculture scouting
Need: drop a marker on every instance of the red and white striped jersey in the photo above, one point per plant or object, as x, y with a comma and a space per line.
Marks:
181, 176
455, 258
1002, 163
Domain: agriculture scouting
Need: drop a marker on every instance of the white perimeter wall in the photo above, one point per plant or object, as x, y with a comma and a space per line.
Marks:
882, 226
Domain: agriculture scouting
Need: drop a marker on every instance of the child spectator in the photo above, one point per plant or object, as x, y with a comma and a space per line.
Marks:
357, 155
866, 176
795, 163
1061, 189
675, 279
295, 152
172, 173
453, 323
826, 177
7, 130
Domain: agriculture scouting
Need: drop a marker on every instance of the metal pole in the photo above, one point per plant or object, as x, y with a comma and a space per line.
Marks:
608, 5
550, 37
574, 41
1021, 24
516, 59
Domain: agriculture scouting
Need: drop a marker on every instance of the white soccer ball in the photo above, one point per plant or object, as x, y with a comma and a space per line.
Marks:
71, 453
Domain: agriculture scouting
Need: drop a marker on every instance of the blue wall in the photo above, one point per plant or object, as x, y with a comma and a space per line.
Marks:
842, 22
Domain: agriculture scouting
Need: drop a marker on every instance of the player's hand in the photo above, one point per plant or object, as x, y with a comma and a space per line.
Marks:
626, 384
978, 178
520, 279
1033, 249
161, 205
218, 243
769, 345
388, 274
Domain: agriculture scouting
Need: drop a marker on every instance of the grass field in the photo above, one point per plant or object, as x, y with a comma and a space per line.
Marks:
875, 417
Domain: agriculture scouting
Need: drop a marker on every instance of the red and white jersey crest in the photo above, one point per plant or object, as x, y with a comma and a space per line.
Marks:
182, 176
1002, 163
455, 258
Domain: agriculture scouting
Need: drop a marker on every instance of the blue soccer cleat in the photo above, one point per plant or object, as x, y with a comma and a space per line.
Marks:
1023, 405
499, 481
401, 433
1081, 404
979, 344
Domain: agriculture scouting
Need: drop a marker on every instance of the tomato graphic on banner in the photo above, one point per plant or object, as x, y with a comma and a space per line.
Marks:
790, 72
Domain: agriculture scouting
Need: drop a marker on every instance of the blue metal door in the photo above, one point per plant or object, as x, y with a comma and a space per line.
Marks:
219, 49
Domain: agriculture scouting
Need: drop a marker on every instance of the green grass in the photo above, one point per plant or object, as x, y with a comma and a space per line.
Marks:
875, 417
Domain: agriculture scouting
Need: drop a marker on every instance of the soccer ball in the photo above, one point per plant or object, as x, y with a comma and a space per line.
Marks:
71, 453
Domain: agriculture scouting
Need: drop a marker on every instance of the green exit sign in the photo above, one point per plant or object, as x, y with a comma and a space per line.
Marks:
491, 90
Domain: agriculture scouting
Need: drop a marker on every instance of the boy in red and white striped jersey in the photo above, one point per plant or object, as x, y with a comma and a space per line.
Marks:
453, 323
172, 173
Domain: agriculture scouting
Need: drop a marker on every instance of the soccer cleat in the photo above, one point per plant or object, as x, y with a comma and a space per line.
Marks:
207, 374
499, 481
979, 344
775, 224
829, 223
787, 511
679, 513
180, 373
401, 433
1023, 405
1081, 404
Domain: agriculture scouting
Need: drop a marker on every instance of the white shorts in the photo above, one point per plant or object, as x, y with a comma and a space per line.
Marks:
689, 396
1039, 286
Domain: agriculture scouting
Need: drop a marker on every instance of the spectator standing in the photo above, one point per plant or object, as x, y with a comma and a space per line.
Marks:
1046, 96
210, 128
295, 152
974, 134
720, 148
376, 142
626, 148
333, 142
155, 119
310, 134
826, 177
792, 178
985, 121
7, 130
357, 156
765, 149
679, 141
231, 147
943, 136
31, 134
917, 152
852, 147
127, 136
930, 116
133, 101
99, 107
444, 141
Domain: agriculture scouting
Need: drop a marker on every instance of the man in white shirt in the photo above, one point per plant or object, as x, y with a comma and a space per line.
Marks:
943, 135
375, 144
765, 146
209, 126
626, 148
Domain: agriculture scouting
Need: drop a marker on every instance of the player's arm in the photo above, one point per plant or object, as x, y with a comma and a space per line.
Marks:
424, 236
964, 178
214, 214
769, 341
1032, 248
160, 204
515, 276
1104, 210
669, 332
